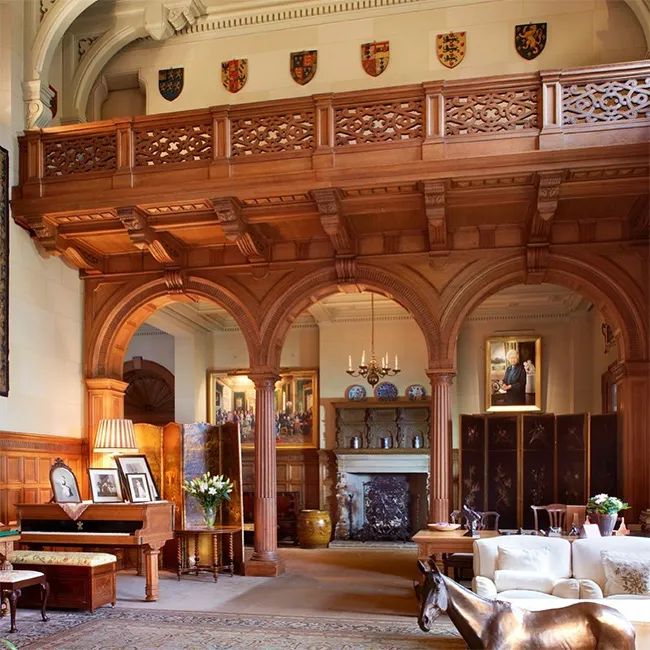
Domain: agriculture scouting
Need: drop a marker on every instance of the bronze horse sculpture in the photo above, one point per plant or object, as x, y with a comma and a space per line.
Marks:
499, 625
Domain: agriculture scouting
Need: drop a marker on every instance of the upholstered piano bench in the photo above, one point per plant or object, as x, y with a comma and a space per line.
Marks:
77, 580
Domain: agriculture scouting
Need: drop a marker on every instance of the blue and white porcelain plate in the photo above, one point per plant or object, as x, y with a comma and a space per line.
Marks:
416, 392
355, 392
386, 391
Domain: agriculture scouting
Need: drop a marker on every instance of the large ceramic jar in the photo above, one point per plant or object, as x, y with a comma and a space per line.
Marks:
314, 528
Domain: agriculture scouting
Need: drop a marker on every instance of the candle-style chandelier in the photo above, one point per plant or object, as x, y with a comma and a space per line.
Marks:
372, 372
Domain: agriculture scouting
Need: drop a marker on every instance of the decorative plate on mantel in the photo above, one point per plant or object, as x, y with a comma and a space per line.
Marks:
355, 393
386, 391
416, 392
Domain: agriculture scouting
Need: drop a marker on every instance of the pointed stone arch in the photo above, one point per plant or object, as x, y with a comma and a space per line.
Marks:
293, 296
128, 310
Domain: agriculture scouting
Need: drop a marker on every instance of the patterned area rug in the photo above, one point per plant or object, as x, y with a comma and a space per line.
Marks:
113, 629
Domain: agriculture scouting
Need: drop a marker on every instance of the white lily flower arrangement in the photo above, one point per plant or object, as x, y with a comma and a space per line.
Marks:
209, 490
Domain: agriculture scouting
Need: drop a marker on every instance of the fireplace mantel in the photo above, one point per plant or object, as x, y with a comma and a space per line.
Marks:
355, 462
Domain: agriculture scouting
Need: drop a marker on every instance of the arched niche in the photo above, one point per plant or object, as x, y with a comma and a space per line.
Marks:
149, 396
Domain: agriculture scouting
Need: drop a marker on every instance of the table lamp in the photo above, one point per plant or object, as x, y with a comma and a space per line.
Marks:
114, 436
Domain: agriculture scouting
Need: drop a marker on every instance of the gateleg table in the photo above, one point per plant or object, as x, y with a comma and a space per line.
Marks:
185, 535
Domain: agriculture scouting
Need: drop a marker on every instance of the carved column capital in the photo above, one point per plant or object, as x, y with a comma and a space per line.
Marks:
38, 103
264, 378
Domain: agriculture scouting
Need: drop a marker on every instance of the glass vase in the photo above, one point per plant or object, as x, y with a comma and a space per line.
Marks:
209, 515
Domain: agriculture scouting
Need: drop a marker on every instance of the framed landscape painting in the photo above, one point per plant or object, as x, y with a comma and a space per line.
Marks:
513, 373
231, 398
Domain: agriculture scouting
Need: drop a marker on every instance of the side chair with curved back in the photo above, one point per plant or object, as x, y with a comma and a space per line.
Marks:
556, 514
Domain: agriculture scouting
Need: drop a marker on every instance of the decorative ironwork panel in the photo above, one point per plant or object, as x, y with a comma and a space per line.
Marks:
272, 133
80, 154
610, 101
177, 144
571, 449
473, 459
509, 110
386, 509
502, 468
538, 468
381, 122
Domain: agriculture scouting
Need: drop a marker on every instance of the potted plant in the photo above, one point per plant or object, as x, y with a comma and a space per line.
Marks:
603, 510
209, 491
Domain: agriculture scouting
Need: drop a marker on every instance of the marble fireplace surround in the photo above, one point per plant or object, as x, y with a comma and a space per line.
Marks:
354, 468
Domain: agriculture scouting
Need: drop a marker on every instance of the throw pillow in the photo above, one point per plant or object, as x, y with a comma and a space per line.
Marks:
524, 559
506, 579
626, 573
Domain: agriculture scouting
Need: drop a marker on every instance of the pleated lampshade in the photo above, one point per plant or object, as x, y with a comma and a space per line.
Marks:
115, 435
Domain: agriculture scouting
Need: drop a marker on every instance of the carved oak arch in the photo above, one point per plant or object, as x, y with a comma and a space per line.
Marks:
131, 307
618, 299
292, 296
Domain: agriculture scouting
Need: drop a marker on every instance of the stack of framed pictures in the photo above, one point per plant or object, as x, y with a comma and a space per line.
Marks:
130, 480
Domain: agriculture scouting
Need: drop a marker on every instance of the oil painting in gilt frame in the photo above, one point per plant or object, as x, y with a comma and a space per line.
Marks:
231, 398
513, 373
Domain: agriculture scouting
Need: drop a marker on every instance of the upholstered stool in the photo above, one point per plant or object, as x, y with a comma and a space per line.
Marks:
77, 580
12, 582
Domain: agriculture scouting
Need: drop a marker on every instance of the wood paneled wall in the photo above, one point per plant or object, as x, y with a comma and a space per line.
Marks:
25, 462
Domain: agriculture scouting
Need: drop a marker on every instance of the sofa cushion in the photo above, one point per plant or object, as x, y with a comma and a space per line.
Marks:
587, 562
515, 594
626, 573
524, 559
506, 579
486, 553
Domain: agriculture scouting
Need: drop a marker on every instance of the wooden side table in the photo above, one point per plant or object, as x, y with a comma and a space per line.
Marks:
185, 535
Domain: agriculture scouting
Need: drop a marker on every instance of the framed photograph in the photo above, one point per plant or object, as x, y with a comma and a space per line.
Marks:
64, 484
137, 464
138, 486
231, 398
105, 486
513, 373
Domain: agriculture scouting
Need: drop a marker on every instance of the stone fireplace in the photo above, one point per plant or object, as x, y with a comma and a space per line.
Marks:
381, 495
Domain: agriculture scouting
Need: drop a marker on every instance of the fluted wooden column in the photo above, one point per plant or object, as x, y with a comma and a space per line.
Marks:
440, 438
264, 561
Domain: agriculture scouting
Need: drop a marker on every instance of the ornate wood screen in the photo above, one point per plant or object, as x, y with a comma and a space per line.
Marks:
508, 463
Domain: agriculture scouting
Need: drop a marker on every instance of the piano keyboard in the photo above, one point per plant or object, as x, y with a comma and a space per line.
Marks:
72, 534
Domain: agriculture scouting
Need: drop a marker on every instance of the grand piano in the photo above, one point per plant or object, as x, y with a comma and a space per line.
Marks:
146, 525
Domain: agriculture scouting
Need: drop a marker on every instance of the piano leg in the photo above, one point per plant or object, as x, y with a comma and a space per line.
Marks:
151, 572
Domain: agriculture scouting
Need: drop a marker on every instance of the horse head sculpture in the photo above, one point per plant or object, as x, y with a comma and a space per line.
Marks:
497, 624
433, 595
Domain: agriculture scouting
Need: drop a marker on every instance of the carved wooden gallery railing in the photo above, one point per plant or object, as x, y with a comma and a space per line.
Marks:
534, 105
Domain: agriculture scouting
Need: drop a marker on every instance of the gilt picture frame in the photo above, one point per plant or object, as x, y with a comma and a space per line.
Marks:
513, 373
231, 398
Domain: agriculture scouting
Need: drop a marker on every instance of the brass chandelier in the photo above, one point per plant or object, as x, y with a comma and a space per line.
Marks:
372, 372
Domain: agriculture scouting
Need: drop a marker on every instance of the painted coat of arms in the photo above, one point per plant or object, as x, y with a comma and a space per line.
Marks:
530, 39
450, 48
303, 65
170, 82
375, 57
234, 74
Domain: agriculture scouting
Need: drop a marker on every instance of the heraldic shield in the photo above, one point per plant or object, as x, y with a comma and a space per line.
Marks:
234, 74
450, 48
303, 65
530, 39
170, 83
375, 57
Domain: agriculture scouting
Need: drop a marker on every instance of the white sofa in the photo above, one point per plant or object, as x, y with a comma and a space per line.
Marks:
494, 580
577, 575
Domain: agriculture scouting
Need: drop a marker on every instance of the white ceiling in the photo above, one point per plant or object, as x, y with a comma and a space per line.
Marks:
520, 301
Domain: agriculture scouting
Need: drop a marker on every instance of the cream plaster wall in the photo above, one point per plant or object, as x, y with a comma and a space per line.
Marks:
580, 32
152, 346
46, 390
190, 383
